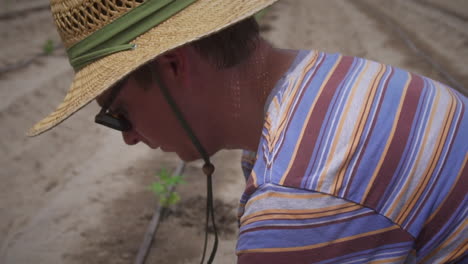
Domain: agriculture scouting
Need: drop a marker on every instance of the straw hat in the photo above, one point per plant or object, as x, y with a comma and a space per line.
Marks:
81, 22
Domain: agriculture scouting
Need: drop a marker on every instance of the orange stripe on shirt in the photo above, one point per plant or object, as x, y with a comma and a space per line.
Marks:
289, 249
286, 195
290, 93
389, 141
339, 130
411, 174
441, 139
357, 133
451, 191
455, 235
297, 214
301, 135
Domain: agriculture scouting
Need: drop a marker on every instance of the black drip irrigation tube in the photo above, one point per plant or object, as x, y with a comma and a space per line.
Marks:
154, 223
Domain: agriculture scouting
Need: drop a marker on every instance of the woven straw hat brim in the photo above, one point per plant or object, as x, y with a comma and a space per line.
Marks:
199, 19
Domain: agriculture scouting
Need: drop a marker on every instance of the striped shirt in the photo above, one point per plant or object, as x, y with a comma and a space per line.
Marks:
358, 162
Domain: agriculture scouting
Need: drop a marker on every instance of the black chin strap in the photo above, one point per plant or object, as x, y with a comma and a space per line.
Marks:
208, 168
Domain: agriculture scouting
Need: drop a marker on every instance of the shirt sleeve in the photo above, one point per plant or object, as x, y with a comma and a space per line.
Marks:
247, 162
288, 225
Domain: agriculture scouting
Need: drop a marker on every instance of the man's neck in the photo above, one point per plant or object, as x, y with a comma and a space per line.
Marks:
249, 85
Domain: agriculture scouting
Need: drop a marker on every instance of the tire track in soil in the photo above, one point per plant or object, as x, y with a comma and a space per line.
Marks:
451, 12
24, 38
350, 28
442, 59
335, 26
22, 12
13, 7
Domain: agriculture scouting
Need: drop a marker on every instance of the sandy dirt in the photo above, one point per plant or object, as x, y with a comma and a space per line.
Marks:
79, 195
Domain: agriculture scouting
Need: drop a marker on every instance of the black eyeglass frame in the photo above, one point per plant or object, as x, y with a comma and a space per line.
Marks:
107, 118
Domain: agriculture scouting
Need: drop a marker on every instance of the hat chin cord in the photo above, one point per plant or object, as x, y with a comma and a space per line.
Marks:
208, 168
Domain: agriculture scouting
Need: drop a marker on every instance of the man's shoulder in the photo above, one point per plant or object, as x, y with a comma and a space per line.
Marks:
364, 131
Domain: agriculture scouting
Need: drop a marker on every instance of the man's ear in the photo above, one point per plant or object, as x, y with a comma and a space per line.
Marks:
173, 63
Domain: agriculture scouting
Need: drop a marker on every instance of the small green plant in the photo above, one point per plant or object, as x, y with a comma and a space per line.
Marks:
162, 187
48, 47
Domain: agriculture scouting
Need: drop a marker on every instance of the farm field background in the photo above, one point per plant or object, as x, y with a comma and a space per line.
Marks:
78, 194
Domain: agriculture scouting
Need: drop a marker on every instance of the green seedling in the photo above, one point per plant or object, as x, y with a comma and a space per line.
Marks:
162, 187
48, 47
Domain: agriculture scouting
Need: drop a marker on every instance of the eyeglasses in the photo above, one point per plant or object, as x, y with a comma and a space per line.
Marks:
113, 120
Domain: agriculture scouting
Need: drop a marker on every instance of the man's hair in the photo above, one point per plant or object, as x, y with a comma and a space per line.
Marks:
230, 46
223, 49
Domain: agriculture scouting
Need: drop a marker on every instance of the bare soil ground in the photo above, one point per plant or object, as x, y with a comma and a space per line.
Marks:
79, 195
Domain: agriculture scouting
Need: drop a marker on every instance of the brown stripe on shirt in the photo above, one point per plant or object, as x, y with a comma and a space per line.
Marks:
366, 142
398, 142
314, 123
329, 250
446, 208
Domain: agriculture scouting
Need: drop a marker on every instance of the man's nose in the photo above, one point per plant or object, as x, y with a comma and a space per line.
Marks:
130, 137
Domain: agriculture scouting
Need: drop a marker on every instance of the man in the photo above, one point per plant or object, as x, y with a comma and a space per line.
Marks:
355, 161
